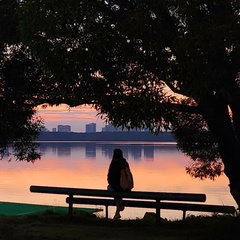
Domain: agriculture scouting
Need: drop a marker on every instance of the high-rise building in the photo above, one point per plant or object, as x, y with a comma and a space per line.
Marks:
91, 127
64, 128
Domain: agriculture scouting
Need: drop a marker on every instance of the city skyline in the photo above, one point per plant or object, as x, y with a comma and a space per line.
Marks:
76, 117
89, 128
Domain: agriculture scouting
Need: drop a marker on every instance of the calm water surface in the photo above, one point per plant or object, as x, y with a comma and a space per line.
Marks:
155, 167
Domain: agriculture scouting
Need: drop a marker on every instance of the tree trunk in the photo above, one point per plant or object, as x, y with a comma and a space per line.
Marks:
216, 113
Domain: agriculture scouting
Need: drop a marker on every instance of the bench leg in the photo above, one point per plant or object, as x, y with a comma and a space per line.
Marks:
106, 207
158, 212
184, 214
70, 206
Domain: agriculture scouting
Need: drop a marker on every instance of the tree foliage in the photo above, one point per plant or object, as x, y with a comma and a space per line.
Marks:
17, 126
120, 56
23, 86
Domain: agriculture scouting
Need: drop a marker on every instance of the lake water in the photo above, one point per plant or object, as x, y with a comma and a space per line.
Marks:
155, 167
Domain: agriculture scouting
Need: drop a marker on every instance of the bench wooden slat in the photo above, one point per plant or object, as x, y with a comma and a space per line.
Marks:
167, 196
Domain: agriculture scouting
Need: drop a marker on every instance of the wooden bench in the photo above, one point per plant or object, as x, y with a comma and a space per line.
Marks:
138, 199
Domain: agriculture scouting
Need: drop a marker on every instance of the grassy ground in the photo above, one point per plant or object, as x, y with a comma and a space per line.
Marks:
82, 227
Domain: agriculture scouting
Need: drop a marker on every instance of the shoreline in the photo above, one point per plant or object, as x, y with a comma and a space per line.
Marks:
106, 136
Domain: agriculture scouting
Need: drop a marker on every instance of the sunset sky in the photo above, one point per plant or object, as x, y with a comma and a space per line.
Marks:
76, 117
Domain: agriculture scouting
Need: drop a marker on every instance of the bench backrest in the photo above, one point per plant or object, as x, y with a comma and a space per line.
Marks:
167, 196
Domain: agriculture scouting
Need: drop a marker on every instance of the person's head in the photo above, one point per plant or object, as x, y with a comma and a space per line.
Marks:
117, 154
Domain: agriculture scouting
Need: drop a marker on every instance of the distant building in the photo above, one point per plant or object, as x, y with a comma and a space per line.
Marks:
44, 129
64, 128
90, 128
111, 128
54, 129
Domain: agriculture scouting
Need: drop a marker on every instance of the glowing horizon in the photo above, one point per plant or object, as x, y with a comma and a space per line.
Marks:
76, 117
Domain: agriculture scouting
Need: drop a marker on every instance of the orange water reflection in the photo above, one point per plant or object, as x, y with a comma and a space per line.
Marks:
155, 167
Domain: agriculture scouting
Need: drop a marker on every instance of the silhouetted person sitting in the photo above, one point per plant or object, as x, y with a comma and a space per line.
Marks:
119, 179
